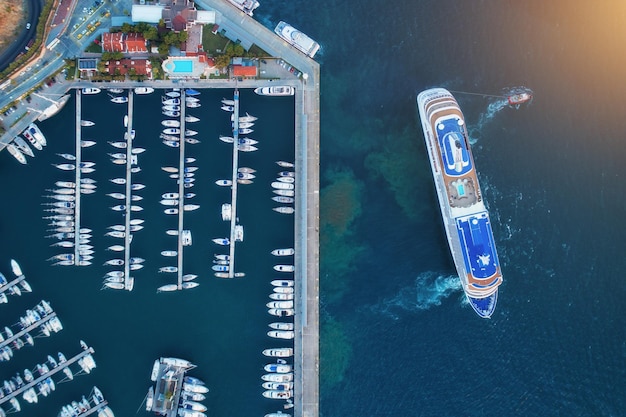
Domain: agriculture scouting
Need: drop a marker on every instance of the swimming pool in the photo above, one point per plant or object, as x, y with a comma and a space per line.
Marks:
180, 65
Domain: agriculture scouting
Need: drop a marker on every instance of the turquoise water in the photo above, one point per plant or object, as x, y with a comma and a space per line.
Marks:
183, 65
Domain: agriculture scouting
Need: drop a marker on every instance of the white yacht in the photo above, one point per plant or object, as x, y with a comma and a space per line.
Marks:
278, 352
284, 268
91, 90
144, 90
23, 146
275, 90
281, 334
284, 210
296, 38
120, 99
16, 153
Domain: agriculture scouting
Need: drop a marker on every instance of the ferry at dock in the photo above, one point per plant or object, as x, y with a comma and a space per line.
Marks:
297, 39
465, 216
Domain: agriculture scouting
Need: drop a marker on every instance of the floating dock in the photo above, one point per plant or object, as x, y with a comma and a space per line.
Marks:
181, 190
128, 237
77, 173
233, 192
35, 381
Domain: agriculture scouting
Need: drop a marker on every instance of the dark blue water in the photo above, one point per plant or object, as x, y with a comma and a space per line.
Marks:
397, 335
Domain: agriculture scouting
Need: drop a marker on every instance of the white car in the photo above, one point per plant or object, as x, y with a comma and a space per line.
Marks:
27, 25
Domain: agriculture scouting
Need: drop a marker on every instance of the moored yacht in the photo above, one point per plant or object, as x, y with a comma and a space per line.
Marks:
16, 153
91, 90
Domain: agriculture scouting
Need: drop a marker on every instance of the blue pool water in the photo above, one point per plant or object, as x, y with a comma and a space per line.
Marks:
183, 65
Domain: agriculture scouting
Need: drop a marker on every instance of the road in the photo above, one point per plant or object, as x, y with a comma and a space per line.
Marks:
18, 46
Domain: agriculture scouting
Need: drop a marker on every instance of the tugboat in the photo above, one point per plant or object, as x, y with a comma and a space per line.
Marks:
517, 99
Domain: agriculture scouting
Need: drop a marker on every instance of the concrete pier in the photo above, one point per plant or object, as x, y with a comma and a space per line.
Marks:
33, 326
128, 280
77, 173
12, 283
181, 189
51, 372
233, 192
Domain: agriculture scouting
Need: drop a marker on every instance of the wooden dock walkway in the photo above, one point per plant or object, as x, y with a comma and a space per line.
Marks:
51, 372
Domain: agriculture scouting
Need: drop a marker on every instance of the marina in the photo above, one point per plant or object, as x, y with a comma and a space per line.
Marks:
43, 376
241, 207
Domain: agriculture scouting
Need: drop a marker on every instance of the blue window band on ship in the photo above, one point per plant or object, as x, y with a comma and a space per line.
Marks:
454, 148
478, 246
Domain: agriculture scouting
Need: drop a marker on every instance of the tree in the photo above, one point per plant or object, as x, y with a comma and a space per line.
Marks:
151, 33
163, 48
127, 27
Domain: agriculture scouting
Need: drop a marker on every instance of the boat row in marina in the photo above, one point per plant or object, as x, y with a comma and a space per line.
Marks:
19, 147
15, 286
175, 393
94, 401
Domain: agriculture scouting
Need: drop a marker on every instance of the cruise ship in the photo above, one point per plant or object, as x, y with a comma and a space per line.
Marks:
465, 216
247, 6
297, 38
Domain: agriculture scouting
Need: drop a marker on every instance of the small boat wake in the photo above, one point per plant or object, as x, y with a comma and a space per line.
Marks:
429, 290
510, 97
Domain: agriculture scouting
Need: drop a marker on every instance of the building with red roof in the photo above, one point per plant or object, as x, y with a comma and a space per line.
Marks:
124, 66
244, 70
135, 42
113, 42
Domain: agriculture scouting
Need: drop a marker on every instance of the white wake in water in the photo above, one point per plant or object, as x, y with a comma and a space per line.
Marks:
429, 290
496, 105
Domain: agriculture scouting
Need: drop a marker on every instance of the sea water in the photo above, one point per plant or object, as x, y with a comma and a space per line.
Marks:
397, 335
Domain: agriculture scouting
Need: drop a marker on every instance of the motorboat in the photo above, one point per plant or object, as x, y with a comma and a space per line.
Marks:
114, 285
170, 108
23, 146
63, 167
284, 268
116, 233
117, 196
285, 193
191, 119
224, 183
189, 277
281, 296
119, 145
167, 288
220, 268
284, 210
171, 113
31, 139
192, 141
191, 207
189, 285
277, 90
245, 176
226, 107
192, 405
169, 202
277, 377
172, 232
116, 248
191, 92
114, 262
280, 304
119, 207
171, 131
287, 174
91, 90
289, 180
192, 105
226, 211
247, 148
169, 253
189, 132
87, 143
37, 134
116, 90
65, 184
279, 185
15, 267
137, 151
86, 123
245, 131
278, 352
278, 395
278, 368
281, 312
282, 283
119, 181
171, 143
171, 211
222, 241
199, 389
119, 99
194, 396
173, 94
283, 199
137, 187
281, 334
144, 90
285, 164
168, 269
135, 222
